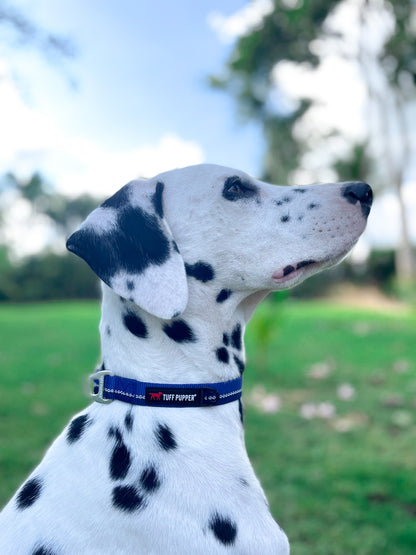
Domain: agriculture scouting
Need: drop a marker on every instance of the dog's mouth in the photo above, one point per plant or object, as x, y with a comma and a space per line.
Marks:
293, 273
290, 271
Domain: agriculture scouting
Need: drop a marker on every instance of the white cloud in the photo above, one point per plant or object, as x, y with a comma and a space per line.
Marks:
30, 141
23, 231
241, 22
337, 91
94, 170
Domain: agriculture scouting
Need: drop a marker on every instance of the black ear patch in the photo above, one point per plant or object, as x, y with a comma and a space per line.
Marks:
135, 242
129, 245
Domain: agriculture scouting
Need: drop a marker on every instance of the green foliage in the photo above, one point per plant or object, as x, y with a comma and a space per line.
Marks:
48, 276
356, 165
285, 35
46, 351
381, 267
24, 32
338, 486
267, 322
327, 477
65, 212
399, 54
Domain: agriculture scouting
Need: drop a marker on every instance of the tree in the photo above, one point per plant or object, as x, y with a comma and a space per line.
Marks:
380, 43
26, 33
65, 213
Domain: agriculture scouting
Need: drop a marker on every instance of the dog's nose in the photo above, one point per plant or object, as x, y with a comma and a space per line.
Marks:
357, 191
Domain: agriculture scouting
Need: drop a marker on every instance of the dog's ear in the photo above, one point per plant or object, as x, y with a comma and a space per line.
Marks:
128, 244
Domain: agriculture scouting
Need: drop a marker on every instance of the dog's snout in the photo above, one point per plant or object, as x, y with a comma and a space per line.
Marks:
357, 191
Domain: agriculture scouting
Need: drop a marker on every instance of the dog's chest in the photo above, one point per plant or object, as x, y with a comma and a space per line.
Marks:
148, 481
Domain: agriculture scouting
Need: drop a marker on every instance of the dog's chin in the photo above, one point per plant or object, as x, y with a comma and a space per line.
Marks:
292, 274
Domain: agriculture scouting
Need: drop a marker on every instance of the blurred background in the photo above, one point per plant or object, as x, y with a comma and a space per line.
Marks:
94, 94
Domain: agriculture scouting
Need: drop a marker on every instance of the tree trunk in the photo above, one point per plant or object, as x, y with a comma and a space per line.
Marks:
404, 256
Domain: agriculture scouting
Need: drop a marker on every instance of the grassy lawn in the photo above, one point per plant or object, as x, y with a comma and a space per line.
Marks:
330, 396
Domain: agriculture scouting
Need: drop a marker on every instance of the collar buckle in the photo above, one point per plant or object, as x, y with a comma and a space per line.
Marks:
97, 385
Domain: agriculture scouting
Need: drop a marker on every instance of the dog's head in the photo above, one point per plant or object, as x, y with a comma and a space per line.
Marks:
250, 234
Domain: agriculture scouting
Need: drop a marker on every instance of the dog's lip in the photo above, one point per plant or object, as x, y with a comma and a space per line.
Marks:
291, 271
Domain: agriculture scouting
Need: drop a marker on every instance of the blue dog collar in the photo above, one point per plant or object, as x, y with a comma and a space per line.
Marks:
106, 387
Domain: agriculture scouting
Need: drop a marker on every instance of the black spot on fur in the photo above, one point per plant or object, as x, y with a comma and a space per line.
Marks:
128, 421
222, 355
240, 364
201, 271
136, 242
127, 498
179, 331
313, 205
244, 482
224, 529
43, 550
285, 218
29, 493
130, 285
135, 325
77, 427
157, 199
115, 432
223, 295
108, 331
225, 339
299, 190
149, 479
284, 200
241, 411
120, 460
165, 438
236, 339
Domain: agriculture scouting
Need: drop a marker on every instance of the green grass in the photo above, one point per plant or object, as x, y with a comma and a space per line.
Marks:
339, 486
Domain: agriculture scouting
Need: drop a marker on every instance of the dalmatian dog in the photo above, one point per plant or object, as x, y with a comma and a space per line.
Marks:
184, 259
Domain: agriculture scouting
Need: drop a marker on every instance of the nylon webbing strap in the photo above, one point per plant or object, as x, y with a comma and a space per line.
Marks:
107, 388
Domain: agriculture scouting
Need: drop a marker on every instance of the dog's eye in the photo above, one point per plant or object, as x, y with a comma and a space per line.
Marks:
235, 189
235, 186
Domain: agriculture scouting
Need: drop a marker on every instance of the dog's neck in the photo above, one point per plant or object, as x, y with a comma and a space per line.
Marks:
204, 344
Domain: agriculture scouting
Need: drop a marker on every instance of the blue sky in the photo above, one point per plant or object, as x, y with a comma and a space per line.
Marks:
141, 72
141, 103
